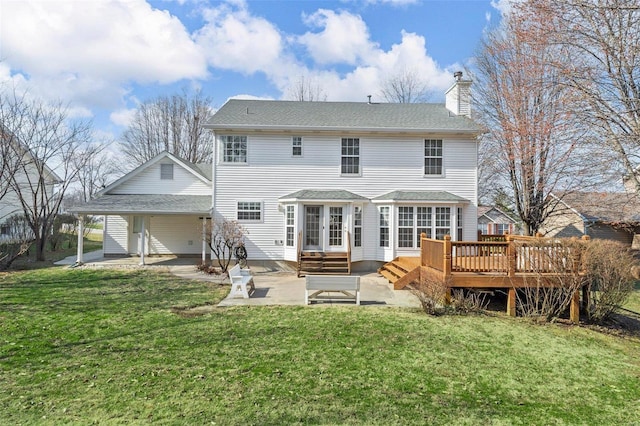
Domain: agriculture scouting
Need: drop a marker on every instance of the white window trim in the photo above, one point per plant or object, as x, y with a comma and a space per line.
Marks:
223, 140
424, 157
388, 227
293, 138
359, 156
287, 225
250, 220
355, 226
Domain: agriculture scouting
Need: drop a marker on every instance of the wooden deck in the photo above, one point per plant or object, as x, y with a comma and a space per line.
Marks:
503, 262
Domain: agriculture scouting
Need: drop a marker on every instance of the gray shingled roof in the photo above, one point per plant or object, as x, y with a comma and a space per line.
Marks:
436, 196
604, 207
147, 203
328, 195
261, 114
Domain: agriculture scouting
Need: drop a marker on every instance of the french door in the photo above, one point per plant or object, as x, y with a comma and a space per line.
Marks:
323, 228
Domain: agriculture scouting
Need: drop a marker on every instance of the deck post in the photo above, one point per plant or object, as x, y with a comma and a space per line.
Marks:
423, 255
511, 302
574, 310
446, 268
511, 254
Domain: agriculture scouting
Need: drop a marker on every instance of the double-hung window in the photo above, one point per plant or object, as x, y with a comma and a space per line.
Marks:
296, 146
249, 211
423, 225
234, 149
443, 222
290, 224
433, 157
350, 160
405, 226
357, 226
384, 226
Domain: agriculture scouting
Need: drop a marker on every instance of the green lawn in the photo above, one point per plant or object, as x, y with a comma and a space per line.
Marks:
109, 346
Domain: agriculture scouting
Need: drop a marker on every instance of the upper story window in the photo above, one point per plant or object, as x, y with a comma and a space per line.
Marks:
350, 163
296, 146
433, 157
166, 171
249, 211
234, 149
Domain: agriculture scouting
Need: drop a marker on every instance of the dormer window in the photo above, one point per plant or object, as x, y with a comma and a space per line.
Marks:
166, 171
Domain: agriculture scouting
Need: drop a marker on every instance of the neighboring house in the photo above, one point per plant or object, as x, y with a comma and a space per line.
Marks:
606, 215
313, 177
493, 221
24, 171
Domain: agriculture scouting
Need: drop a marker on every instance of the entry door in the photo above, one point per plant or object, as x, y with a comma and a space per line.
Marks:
135, 237
313, 228
336, 229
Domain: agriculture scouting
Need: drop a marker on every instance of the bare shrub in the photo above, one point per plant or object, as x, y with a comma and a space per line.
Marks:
431, 291
551, 274
609, 267
15, 240
469, 301
223, 237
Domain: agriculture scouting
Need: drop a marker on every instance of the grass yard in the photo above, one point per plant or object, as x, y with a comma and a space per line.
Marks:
108, 346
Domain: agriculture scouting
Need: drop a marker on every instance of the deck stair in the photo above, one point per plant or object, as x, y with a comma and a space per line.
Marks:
401, 271
313, 262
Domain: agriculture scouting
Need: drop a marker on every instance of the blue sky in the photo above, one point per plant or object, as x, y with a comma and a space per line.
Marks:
105, 57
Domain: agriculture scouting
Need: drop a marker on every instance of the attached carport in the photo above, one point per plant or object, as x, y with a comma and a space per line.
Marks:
175, 211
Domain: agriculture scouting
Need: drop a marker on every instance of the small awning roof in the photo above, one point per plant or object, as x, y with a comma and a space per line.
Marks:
139, 204
331, 195
420, 197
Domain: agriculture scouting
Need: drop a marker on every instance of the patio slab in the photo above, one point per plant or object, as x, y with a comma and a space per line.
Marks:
272, 288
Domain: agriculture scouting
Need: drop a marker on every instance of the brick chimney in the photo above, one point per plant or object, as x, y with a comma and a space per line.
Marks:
458, 97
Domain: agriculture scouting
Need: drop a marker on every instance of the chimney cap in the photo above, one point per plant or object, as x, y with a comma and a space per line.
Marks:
457, 75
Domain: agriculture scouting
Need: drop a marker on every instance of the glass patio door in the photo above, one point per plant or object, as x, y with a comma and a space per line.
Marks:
313, 228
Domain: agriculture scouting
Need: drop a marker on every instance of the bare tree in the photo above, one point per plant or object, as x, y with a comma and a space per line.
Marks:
95, 170
405, 87
42, 139
306, 89
601, 41
223, 237
170, 123
531, 139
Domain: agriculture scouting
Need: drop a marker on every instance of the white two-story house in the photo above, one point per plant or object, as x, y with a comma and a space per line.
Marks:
312, 177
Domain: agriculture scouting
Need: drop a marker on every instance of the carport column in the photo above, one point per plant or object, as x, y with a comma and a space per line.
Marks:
79, 258
204, 240
143, 238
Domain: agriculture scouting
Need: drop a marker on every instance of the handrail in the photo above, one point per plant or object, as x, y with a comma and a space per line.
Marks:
348, 252
516, 255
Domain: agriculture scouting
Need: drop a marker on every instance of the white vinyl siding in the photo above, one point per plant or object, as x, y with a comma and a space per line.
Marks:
386, 164
116, 235
175, 235
148, 182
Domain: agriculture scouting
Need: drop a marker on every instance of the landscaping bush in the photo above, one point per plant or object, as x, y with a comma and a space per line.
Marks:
431, 291
552, 277
609, 267
469, 301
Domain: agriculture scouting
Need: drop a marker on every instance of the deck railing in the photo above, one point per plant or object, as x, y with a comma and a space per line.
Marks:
517, 254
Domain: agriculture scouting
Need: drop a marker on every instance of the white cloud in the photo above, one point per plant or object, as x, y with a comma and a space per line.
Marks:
233, 39
344, 37
91, 49
123, 117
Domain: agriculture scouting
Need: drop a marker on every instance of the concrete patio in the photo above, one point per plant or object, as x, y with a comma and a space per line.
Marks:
272, 287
